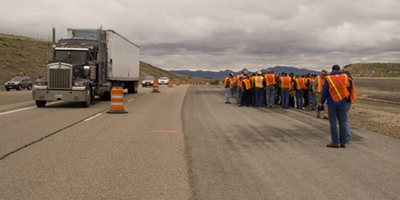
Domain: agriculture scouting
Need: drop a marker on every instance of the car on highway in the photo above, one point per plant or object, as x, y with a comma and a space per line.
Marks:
18, 83
163, 80
148, 81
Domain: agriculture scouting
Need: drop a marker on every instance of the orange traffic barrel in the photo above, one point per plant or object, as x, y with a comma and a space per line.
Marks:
183, 82
156, 88
170, 83
178, 82
117, 101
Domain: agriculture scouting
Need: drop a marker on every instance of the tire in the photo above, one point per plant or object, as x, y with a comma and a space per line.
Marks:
7, 89
86, 104
40, 104
29, 87
19, 87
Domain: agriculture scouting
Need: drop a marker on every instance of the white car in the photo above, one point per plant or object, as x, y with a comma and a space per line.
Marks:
163, 80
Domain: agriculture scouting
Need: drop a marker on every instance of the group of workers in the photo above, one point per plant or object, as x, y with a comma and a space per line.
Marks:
269, 89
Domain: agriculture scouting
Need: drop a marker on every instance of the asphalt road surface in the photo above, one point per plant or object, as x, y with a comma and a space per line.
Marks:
185, 143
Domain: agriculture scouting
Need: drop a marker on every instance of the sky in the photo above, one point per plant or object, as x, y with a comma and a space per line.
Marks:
226, 34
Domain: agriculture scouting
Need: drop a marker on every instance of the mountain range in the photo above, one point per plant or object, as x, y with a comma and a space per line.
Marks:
222, 74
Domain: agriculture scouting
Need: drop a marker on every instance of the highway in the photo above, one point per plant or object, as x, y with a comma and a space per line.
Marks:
185, 143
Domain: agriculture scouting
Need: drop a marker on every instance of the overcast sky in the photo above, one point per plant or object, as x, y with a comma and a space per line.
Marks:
226, 34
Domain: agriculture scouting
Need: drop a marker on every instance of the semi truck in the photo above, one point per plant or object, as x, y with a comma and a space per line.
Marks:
88, 63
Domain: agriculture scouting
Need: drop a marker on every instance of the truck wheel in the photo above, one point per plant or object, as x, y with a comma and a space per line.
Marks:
86, 103
29, 87
19, 87
136, 86
7, 89
40, 104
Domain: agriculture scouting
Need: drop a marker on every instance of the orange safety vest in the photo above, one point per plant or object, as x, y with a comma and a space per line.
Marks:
337, 89
285, 82
305, 81
230, 82
252, 80
300, 83
247, 84
345, 80
353, 92
270, 79
320, 84
239, 83
258, 81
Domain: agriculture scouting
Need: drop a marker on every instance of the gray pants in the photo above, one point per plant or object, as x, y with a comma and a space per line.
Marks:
325, 111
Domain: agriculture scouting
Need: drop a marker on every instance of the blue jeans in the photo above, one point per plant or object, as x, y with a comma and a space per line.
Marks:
227, 94
348, 106
239, 94
313, 101
337, 114
270, 95
259, 94
299, 99
285, 97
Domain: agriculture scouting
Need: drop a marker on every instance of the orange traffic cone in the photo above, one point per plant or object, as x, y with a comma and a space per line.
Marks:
155, 87
117, 101
170, 83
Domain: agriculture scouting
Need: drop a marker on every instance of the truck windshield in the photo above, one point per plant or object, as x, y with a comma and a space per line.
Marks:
68, 55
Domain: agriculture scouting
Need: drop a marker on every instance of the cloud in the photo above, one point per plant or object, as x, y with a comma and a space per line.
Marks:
218, 35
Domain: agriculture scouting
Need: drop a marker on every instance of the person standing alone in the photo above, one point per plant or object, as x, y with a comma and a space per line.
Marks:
335, 92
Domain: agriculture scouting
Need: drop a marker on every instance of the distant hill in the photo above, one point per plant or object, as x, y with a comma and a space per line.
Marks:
364, 69
222, 74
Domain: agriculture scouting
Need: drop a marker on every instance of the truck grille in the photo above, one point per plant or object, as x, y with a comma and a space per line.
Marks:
59, 78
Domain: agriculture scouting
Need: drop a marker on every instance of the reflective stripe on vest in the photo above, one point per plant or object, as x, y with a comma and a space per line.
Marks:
337, 89
300, 84
320, 84
285, 82
247, 84
258, 81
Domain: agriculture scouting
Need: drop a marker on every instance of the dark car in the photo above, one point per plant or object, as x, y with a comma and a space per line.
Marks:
148, 81
18, 83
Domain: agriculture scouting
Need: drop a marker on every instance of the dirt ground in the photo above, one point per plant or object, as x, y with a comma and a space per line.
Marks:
377, 105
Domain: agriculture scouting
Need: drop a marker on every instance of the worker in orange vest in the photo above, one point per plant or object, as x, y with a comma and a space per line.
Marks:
228, 86
234, 86
335, 92
270, 83
246, 88
253, 92
312, 92
239, 90
285, 83
317, 87
259, 86
299, 86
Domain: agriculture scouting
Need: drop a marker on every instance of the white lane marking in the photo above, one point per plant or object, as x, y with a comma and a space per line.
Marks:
13, 111
27, 108
90, 118
130, 100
